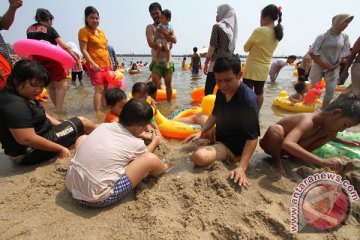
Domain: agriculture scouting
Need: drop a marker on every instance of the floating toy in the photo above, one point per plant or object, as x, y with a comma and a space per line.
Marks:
42, 95
197, 94
29, 47
133, 72
185, 112
207, 104
173, 129
115, 79
5, 69
312, 95
161, 93
335, 149
283, 102
186, 66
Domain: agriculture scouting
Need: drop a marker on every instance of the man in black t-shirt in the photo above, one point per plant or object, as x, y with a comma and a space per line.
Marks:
236, 115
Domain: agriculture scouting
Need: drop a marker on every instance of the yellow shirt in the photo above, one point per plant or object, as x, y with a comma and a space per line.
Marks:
261, 46
96, 46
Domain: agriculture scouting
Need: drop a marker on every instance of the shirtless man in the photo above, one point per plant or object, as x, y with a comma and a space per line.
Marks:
298, 135
159, 70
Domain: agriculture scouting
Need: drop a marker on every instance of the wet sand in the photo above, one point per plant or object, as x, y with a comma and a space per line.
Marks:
186, 203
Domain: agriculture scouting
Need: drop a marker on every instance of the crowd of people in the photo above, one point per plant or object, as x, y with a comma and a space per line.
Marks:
111, 159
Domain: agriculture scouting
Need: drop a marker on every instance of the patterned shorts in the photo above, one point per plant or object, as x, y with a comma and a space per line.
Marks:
122, 188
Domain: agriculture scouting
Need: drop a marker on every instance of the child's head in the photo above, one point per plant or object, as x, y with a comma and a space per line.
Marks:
115, 99
300, 87
195, 49
291, 59
152, 88
344, 112
140, 90
184, 58
136, 115
28, 79
165, 16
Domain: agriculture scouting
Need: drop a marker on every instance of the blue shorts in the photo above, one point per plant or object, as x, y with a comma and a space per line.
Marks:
122, 188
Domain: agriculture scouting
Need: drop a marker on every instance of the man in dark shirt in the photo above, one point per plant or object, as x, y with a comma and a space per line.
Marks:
236, 115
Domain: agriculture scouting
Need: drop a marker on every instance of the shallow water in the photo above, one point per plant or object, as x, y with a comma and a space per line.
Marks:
79, 101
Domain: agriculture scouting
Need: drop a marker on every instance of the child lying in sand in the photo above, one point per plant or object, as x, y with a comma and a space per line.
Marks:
298, 135
112, 160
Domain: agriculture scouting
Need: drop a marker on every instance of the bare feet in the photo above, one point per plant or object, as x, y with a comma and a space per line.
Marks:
279, 167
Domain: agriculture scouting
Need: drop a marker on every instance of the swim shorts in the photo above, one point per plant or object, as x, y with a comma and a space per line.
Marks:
64, 134
97, 77
283, 154
160, 69
122, 188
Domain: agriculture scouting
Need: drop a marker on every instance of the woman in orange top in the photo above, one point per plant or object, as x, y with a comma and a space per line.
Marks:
93, 45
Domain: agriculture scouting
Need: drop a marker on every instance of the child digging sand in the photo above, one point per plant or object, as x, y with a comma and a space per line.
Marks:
300, 134
115, 100
112, 160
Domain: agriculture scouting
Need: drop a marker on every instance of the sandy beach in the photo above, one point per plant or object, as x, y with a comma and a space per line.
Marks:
186, 203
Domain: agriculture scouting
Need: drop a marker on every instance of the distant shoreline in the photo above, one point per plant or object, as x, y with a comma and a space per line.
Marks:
186, 55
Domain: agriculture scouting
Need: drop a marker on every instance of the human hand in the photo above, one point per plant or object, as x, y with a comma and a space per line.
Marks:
64, 153
15, 3
193, 137
353, 143
335, 164
206, 68
95, 67
239, 177
156, 137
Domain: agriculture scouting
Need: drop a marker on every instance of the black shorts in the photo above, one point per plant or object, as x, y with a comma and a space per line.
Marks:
256, 86
64, 134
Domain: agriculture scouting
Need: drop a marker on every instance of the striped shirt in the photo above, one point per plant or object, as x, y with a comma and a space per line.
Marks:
219, 41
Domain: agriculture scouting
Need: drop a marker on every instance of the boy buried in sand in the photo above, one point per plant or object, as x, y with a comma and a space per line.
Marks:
115, 99
112, 160
298, 135
161, 42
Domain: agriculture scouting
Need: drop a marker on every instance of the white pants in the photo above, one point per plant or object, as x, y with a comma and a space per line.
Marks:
331, 77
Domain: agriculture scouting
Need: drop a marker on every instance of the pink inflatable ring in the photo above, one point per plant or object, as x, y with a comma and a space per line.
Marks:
27, 47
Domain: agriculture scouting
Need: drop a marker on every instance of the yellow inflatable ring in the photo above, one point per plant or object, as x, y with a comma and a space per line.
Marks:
161, 93
173, 129
283, 102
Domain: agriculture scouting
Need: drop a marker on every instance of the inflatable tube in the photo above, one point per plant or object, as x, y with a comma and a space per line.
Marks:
161, 94
197, 94
185, 112
173, 129
340, 88
29, 47
133, 72
5, 69
283, 102
334, 149
115, 79
186, 66
207, 104
42, 95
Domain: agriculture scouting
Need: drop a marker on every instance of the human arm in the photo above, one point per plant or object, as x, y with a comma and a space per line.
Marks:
210, 122
325, 66
28, 137
8, 18
168, 34
349, 60
350, 143
292, 146
83, 49
155, 140
61, 43
150, 36
239, 173
53, 120
252, 40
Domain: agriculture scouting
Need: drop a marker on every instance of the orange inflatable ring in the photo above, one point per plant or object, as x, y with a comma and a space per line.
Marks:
197, 94
161, 94
5, 69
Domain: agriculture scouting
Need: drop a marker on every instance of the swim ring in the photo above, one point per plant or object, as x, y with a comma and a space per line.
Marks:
197, 94
26, 48
5, 69
185, 112
161, 93
133, 72
283, 102
335, 149
173, 129
186, 66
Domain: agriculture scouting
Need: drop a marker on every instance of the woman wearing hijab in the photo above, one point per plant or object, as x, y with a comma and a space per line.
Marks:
223, 40
327, 51
261, 46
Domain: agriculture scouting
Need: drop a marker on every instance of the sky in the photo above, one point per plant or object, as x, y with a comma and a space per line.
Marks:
124, 22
